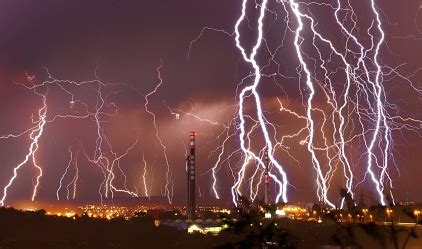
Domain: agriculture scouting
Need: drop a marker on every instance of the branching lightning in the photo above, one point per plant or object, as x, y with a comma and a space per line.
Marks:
356, 107
157, 133
311, 98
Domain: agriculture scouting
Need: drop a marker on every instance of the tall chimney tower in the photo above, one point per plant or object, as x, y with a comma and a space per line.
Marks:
191, 205
266, 177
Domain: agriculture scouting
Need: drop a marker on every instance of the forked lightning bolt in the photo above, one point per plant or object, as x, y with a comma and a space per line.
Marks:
356, 107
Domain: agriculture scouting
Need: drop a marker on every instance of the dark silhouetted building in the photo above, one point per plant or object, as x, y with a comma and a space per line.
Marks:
190, 161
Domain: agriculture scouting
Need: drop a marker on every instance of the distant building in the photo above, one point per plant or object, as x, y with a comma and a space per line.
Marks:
190, 163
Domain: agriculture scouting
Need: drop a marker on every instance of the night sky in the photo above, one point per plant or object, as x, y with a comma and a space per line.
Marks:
125, 42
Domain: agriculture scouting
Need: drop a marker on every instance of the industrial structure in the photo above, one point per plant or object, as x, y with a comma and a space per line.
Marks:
190, 163
266, 177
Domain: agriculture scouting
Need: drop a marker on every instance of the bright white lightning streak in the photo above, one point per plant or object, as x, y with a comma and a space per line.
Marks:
215, 168
157, 133
144, 180
38, 130
379, 105
347, 172
65, 173
377, 91
112, 176
17, 135
329, 174
35, 135
253, 194
74, 181
252, 88
242, 171
321, 182
98, 151
380, 113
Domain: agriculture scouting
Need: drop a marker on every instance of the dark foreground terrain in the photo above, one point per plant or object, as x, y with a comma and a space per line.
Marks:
35, 230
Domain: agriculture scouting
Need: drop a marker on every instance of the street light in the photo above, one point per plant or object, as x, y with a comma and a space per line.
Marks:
389, 212
416, 213
364, 211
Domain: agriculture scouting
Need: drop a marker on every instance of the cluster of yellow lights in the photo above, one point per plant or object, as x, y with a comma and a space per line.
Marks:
205, 230
67, 212
295, 210
214, 209
107, 212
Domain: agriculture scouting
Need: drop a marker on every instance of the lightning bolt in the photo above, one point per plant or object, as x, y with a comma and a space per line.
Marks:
81, 111
144, 174
35, 135
356, 112
74, 181
157, 133
65, 173
253, 89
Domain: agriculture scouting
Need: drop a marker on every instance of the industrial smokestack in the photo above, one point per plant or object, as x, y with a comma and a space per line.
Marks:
266, 177
191, 205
